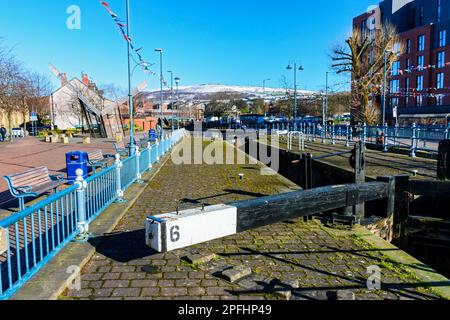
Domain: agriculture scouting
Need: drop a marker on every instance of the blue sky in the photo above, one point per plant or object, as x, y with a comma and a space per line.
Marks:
205, 41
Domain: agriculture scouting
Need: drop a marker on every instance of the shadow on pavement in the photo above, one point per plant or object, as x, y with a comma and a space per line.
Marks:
405, 289
124, 246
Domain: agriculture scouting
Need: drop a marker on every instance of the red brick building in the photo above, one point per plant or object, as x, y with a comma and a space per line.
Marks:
419, 82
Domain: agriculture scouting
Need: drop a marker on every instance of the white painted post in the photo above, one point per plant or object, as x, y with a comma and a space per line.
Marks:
347, 140
364, 133
149, 147
138, 173
119, 192
385, 141
323, 133
413, 140
333, 142
157, 150
82, 225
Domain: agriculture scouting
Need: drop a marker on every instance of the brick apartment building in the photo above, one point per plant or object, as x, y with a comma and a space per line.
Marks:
419, 82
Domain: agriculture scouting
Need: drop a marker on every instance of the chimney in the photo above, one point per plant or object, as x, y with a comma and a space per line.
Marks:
86, 80
63, 78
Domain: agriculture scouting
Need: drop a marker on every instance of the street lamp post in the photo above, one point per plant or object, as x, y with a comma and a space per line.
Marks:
177, 82
300, 68
171, 95
264, 95
384, 89
130, 96
161, 86
325, 111
264, 85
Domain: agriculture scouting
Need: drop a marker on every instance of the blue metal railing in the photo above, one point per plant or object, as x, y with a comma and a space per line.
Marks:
32, 237
414, 137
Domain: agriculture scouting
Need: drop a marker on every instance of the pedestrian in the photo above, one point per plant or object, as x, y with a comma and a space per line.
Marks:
159, 129
2, 133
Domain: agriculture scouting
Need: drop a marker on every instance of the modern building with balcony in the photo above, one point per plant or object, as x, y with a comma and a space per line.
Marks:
419, 81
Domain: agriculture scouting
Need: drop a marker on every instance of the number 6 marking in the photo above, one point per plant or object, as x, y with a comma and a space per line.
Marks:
175, 234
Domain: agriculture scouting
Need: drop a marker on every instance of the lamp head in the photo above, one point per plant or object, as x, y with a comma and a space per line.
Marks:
158, 50
300, 68
289, 67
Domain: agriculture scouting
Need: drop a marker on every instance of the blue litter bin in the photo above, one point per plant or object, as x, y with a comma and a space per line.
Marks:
152, 135
76, 160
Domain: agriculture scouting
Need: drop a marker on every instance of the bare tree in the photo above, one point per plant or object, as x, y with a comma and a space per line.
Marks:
363, 58
10, 82
41, 89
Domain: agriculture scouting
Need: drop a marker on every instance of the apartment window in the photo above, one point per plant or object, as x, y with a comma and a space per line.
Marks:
420, 63
442, 38
395, 86
421, 43
440, 81
421, 15
419, 83
371, 28
408, 63
439, 10
440, 100
412, 18
419, 101
440, 59
395, 70
408, 46
363, 28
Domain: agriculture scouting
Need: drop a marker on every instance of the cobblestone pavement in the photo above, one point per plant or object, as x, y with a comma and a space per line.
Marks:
278, 255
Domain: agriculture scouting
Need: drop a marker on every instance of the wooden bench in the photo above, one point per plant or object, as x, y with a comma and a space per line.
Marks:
32, 183
97, 159
121, 149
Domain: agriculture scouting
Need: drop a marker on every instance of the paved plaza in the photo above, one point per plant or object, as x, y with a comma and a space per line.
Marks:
307, 259
30, 152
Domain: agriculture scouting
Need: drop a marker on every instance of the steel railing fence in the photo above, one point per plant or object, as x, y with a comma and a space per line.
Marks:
414, 137
32, 237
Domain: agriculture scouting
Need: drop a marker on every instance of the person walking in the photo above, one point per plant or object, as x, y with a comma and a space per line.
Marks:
2, 133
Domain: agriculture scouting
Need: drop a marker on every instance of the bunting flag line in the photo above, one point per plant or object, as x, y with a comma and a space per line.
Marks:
121, 26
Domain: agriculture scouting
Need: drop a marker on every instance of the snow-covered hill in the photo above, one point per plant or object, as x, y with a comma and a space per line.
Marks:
207, 91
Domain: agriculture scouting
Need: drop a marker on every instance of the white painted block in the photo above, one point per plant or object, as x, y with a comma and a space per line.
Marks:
167, 232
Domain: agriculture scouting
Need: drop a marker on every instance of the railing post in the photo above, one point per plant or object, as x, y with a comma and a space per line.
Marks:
385, 138
332, 128
157, 150
149, 148
119, 192
314, 132
364, 133
138, 170
82, 224
347, 140
395, 134
323, 133
360, 175
413, 140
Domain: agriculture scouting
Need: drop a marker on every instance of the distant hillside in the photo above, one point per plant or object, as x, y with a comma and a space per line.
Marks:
206, 92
